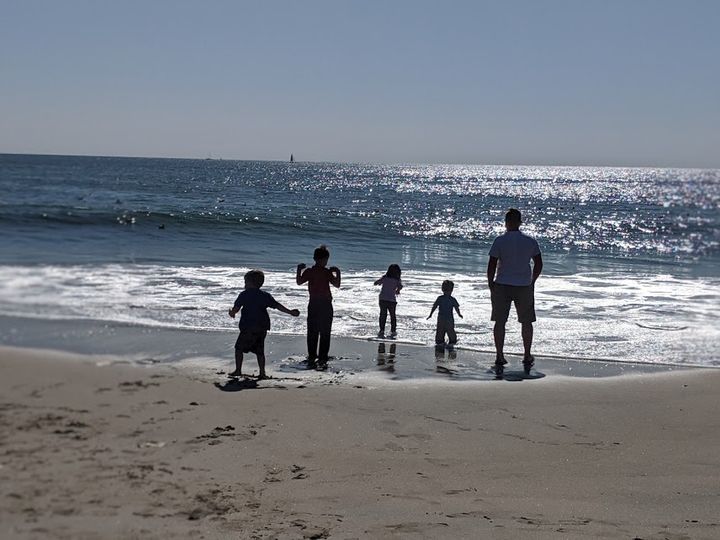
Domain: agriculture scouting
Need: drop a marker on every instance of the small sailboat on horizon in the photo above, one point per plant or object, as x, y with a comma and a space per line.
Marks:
292, 158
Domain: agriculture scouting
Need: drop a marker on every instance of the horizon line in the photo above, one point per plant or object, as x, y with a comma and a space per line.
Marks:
335, 162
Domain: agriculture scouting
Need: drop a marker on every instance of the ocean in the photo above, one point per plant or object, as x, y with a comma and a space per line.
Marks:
631, 254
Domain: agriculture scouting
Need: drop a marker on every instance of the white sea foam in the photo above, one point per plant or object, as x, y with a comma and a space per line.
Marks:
641, 317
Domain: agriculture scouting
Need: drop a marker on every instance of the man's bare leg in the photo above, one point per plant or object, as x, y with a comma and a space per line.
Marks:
527, 337
499, 337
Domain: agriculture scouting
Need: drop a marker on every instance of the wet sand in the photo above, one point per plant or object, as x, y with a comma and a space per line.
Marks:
125, 451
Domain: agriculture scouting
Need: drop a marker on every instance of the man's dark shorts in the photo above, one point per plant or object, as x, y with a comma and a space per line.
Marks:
504, 295
251, 340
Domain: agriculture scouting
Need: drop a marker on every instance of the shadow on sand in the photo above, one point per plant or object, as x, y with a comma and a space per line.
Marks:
236, 385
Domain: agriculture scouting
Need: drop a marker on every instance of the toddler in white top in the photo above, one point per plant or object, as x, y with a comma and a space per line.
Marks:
391, 285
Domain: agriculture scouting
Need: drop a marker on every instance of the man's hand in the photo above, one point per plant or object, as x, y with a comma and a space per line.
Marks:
334, 269
301, 266
231, 313
295, 312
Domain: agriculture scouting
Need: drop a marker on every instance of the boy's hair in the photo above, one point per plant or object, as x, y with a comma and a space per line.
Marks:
447, 286
513, 216
321, 253
393, 271
255, 278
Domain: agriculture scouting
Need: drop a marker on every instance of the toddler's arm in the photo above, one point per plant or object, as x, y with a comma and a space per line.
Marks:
435, 305
457, 309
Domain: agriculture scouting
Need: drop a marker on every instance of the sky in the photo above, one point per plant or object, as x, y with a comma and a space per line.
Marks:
625, 83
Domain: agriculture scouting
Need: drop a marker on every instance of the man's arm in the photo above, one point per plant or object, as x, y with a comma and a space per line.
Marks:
299, 278
537, 267
492, 267
335, 273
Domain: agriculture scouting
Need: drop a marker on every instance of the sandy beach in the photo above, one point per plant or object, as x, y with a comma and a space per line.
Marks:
96, 449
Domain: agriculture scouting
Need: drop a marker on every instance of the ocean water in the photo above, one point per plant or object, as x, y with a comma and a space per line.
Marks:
631, 255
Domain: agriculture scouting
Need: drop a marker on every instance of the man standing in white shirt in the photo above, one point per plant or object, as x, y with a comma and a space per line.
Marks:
511, 280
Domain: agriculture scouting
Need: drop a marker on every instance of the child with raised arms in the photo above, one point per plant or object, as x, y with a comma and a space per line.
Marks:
320, 308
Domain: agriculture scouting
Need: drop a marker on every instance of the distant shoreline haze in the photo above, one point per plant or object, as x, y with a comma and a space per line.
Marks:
388, 163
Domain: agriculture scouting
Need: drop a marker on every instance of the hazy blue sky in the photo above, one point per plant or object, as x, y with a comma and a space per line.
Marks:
519, 82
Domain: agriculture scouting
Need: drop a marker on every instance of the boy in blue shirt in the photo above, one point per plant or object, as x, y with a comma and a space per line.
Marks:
445, 321
254, 320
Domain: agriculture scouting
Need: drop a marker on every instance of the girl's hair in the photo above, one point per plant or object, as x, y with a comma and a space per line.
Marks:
393, 271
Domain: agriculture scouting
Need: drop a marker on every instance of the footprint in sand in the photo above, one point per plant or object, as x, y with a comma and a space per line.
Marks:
213, 501
215, 436
132, 386
297, 471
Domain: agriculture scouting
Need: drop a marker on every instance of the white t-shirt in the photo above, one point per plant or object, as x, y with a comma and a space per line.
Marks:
514, 250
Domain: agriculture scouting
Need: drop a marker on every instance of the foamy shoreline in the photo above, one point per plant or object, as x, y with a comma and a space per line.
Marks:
121, 451
356, 361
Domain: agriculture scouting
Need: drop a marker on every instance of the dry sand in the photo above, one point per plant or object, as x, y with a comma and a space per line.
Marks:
121, 451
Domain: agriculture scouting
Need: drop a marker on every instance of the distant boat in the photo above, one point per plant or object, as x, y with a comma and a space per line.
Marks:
292, 158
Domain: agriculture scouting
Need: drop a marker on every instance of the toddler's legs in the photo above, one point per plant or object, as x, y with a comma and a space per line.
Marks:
440, 334
452, 336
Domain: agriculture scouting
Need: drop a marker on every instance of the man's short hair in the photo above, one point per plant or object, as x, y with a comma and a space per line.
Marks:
321, 253
447, 286
255, 278
513, 216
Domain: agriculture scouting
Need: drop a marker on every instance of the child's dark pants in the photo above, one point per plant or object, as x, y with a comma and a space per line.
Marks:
445, 327
385, 306
319, 321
